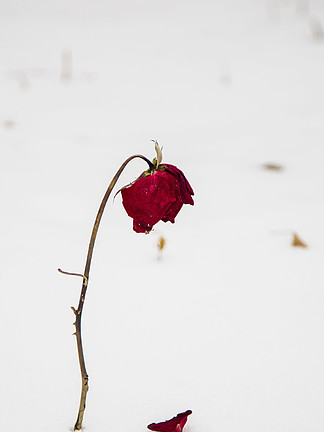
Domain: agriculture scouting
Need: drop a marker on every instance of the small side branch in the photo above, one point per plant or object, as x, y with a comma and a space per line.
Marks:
85, 280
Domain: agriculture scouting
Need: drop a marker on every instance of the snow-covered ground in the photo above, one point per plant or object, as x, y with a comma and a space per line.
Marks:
229, 321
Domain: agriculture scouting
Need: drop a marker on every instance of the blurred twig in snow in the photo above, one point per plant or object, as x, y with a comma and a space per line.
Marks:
316, 29
272, 167
302, 7
66, 65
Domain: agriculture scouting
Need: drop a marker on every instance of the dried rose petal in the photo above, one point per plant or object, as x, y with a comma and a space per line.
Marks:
185, 188
176, 424
156, 196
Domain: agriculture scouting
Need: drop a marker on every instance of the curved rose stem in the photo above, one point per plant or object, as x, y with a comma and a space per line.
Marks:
78, 311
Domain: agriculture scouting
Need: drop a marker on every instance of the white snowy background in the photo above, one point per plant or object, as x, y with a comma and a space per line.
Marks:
228, 320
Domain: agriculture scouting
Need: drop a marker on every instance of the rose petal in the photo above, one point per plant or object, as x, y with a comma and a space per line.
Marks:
156, 196
185, 189
148, 200
172, 212
175, 424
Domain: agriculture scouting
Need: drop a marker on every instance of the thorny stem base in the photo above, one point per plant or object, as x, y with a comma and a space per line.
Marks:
78, 312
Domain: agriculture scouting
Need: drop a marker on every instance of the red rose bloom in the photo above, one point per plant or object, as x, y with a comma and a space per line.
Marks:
157, 195
176, 424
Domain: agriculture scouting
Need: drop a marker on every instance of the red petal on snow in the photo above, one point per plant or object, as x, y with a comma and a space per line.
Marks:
176, 424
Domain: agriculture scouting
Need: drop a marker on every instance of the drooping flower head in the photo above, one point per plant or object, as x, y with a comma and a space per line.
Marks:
158, 194
176, 424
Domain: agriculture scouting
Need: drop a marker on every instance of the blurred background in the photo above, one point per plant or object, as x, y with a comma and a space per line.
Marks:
227, 319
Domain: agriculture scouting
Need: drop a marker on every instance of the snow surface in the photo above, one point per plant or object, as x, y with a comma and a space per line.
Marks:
229, 322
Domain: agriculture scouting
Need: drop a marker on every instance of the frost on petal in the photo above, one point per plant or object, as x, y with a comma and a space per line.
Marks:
176, 424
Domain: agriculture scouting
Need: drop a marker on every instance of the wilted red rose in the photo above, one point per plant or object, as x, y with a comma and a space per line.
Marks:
156, 195
176, 424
